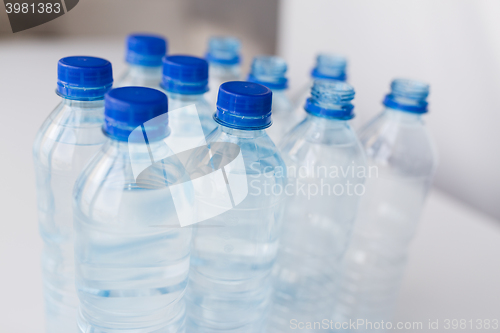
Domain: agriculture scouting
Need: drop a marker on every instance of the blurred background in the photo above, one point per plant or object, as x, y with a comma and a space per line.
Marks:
452, 44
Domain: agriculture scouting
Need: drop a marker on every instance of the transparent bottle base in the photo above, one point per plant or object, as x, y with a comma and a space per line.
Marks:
175, 325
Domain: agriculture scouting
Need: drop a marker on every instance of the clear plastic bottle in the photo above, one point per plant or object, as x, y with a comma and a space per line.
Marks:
402, 160
326, 165
185, 81
328, 66
233, 253
132, 256
144, 58
224, 61
270, 71
67, 140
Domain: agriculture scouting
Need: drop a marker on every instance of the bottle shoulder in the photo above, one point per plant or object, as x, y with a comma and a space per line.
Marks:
224, 73
402, 145
126, 164
258, 150
184, 112
119, 167
69, 134
330, 144
199, 101
140, 76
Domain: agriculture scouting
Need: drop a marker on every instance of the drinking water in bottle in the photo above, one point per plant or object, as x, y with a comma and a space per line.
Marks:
185, 81
328, 66
224, 62
132, 256
67, 140
144, 58
326, 168
270, 71
399, 146
234, 248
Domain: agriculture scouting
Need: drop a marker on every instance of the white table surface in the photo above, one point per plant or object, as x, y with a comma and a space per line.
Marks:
454, 268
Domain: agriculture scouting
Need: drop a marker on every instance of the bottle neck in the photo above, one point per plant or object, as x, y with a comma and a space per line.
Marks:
223, 70
403, 116
83, 105
247, 134
139, 150
327, 123
330, 67
184, 97
138, 70
278, 91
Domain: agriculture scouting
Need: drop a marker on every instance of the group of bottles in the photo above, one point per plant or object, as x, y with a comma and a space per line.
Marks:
168, 207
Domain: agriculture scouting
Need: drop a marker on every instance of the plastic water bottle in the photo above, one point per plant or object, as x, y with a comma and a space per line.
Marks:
185, 81
144, 58
328, 66
270, 71
402, 160
67, 140
233, 251
132, 256
224, 61
326, 169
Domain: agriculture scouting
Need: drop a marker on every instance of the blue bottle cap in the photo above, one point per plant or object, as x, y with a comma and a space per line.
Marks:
146, 50
84, 78
224, 50
331, 99
269, 71
128, 108
408, 95
330, 66
244, 105
183, 74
